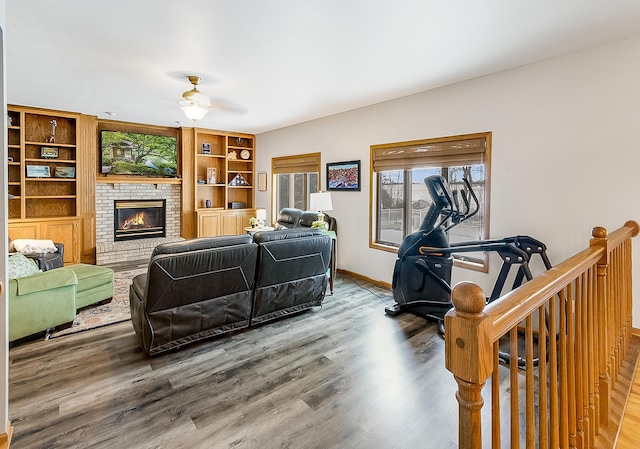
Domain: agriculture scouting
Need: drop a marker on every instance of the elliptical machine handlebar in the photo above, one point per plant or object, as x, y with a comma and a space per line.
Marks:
457, 216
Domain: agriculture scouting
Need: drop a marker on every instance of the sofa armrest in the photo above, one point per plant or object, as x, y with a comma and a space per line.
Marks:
139, 285
60, 277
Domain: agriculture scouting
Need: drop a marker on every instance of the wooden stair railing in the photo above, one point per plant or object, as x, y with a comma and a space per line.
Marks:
564, 335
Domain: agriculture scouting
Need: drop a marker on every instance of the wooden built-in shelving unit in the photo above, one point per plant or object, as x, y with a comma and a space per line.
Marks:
63, 207
222, 175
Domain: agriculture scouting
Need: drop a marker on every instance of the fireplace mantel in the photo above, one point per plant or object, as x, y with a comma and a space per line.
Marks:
136, 180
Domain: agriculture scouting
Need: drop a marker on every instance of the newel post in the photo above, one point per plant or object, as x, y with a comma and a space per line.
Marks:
603, 319
468, 355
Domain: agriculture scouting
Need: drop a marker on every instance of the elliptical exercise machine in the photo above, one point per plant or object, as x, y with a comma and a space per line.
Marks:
422, 274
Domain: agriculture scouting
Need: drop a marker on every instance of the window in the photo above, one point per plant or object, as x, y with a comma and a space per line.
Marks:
294, 178
400, 199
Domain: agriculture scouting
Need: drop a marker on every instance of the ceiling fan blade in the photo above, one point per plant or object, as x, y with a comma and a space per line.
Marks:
220, 104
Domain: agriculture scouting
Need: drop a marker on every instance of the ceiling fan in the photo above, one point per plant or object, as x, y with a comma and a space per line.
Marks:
195, 104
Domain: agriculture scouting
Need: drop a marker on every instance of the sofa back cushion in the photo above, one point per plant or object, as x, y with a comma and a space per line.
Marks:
292, 272
307, 218
200, 243
178, 279
288, 218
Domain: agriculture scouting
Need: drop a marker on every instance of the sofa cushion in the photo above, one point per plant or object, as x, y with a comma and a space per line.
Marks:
19, 266
91, 276
200, 243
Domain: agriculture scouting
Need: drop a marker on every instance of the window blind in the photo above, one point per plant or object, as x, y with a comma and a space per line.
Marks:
426, 153
303, 163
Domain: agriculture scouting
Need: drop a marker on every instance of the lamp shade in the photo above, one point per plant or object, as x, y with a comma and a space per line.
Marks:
261, 214
320, 201
193, 111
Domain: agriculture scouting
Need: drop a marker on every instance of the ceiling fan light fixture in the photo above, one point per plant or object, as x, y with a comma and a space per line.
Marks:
193, 111
194, 96
195, 104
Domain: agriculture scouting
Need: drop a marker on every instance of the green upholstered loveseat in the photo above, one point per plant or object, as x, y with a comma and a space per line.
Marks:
41, 301
52, 298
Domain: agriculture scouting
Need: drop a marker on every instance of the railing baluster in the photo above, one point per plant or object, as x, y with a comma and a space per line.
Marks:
529, 384
543, 402
581, 418
495, 399
571, 365
604, 322
593, 359
554, 398
564, 424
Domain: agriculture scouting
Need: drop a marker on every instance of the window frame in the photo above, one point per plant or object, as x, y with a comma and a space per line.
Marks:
432, 150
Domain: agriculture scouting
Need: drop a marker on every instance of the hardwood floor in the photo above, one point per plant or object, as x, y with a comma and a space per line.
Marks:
629, 436
341, 376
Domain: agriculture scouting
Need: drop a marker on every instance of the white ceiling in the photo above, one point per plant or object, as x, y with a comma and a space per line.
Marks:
276, 63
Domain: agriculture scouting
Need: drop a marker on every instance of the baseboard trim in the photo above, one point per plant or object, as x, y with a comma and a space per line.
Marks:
5, 438
635, 331
380, 284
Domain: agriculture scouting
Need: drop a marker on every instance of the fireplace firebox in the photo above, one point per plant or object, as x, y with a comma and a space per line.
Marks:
139, 219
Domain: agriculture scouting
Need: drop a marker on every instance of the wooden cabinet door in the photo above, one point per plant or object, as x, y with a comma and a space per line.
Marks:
24, 231
230, 223
208, 225
66, 232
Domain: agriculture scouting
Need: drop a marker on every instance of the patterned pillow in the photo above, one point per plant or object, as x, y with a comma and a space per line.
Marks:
20, 266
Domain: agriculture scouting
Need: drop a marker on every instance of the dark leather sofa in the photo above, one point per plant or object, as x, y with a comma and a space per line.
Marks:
204, 287
291, 218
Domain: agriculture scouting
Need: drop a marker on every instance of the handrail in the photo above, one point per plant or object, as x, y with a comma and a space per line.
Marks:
508, 310
584, 305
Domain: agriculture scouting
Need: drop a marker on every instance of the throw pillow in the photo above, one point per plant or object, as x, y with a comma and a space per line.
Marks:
26, 246
19, 266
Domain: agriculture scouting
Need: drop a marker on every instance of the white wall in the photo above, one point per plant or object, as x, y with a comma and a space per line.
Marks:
565, 157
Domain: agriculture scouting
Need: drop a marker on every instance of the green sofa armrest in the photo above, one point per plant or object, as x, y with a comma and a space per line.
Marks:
41, 301
46, 280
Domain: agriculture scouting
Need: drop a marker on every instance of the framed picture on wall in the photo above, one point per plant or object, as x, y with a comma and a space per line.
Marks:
262, 181
343, 176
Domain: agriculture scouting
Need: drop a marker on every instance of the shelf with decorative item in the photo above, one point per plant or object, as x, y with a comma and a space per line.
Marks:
239, 179
240, 141
51, 161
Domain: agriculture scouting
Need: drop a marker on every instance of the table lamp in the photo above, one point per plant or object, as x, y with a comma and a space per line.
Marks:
320, 202
261, 216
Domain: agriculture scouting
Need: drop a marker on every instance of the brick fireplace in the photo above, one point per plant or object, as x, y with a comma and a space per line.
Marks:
109, 248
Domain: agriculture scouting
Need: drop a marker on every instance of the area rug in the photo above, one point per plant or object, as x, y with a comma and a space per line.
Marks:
102, 315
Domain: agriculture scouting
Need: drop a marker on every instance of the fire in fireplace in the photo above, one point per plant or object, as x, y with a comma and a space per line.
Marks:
139, 219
